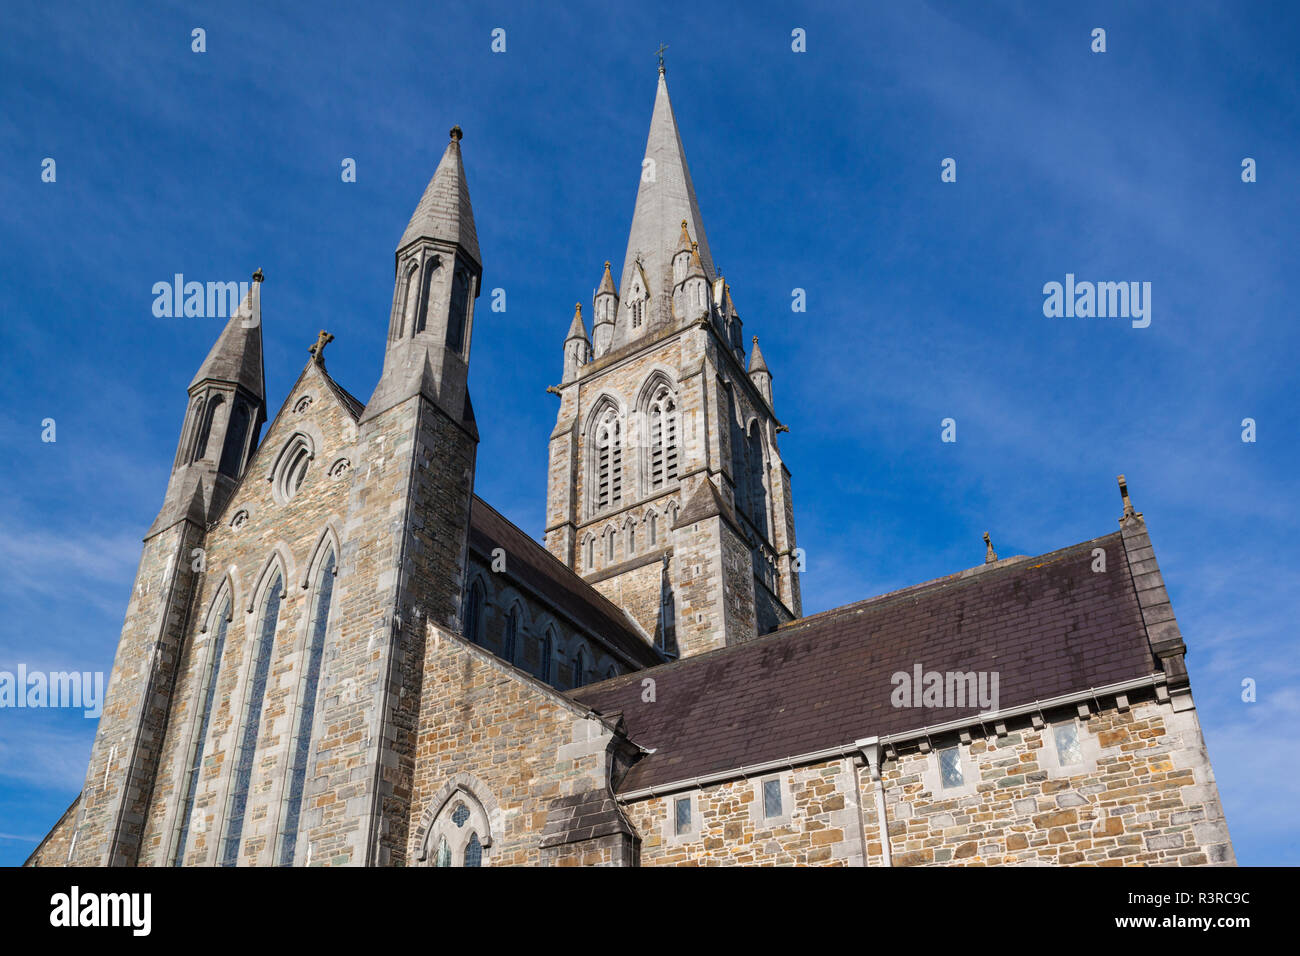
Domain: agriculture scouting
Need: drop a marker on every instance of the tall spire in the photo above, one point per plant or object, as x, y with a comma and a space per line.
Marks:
439, 275
665, 197
236, 356
444, 212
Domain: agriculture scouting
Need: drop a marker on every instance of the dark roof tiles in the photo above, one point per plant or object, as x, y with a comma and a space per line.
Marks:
1047, 626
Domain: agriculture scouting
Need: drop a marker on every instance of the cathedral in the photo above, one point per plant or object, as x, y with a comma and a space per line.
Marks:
336, 654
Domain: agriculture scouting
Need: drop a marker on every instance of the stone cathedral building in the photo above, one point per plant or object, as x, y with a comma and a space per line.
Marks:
336, 654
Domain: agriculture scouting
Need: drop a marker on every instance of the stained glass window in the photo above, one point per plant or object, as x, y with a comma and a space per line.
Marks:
473, 851
208, 690
1067, 744
950, 767
243, 772
771, 798
460, 815
444, 854
300, 749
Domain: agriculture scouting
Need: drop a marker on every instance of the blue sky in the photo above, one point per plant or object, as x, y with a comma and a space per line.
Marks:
816, 170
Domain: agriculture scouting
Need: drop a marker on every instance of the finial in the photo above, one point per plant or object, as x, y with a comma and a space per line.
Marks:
989, 555
660, 54
456, 133
606, 263
683, 223
257, 276
1128, 504
318, 350
754, 340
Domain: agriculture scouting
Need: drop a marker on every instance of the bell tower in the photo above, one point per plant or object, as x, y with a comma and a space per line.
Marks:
666, 488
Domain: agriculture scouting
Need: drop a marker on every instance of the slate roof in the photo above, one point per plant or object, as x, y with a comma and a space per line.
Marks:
555, 584
583, 816
1049, 626
354, 405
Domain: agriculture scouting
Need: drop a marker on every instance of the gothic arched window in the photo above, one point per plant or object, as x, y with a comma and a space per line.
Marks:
461, 832
474, 613
431, 268
291, 468
661, 418
254, 698
544, 658
232, 456
609, 545
652, 529
757, 485
580, 667
607, 444
411, 304
473, 851
511, 639
629, 539
300, 746
205, 432
459, 310
206, 692
590, 546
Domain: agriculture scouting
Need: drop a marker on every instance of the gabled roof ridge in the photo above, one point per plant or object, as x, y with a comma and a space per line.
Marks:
340, 393
980, 572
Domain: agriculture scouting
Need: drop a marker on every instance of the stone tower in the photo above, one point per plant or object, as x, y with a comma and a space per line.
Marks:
226, 411
666, 488
405, 535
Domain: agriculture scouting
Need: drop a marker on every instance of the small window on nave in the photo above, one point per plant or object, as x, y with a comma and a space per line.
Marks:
459, 834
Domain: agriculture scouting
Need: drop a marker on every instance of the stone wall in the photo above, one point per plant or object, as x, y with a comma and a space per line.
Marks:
1142, 793
253, 531
511, 741
54, 849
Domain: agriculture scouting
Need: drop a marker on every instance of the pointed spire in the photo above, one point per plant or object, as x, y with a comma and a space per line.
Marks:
664, 199
607, 283
237, 355
577, 330
756, 362
696, 268
444, 211
684, 243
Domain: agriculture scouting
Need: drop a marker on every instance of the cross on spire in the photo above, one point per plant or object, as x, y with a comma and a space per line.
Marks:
318, 350
660, 53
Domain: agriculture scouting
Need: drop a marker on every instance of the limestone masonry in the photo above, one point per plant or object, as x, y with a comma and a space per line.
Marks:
336, 654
